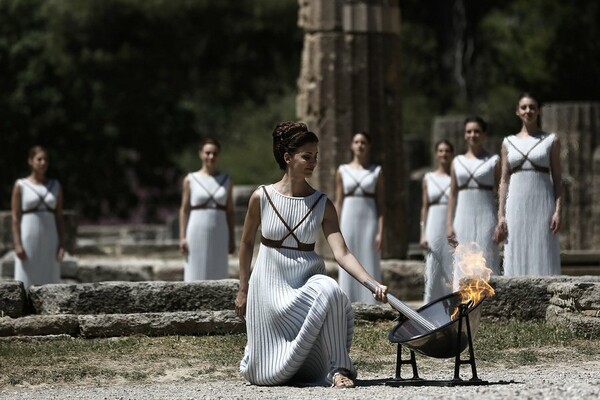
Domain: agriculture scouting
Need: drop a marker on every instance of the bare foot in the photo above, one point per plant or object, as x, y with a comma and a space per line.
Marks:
341, 381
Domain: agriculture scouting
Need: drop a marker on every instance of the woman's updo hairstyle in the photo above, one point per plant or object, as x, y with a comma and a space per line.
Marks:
478, 120
288, 137
209, 140
441, 142
34, 150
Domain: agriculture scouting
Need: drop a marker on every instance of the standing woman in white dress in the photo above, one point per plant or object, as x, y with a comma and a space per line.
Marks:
37, 223
206, 218
434, 211
472, 210
530, 196
298, 320
359, 202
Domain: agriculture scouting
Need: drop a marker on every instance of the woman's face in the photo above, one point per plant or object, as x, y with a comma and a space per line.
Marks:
528, 110
209, 154
360, 145
304, 161
474, 135
39, 162
443, 154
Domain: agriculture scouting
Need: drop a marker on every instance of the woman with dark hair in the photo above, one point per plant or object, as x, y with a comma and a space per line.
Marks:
434, 210
37, 223
530, 196
206, 218
472, 202
359, 202
298, 320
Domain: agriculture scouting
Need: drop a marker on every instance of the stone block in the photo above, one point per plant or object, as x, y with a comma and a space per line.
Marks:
575, 296
13, 299
578, 323
404, 279
523, 298
100, 271
161, 324
133, 297
35, 325
373, 312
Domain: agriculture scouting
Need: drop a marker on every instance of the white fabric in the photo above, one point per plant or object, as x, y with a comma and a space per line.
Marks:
298, 320
358, 224
476, 210
207, 232
39, 235
531, 248
438, 261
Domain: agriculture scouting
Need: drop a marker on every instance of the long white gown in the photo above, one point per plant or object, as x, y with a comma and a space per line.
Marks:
298, 320
207, 232
39, 234
358, 224
476, 211
531, 248
438, 261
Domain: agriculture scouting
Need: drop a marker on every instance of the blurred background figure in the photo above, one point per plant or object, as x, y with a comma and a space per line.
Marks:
37, 223
359, 201
206, 218
434, 210
472, 212
530, 196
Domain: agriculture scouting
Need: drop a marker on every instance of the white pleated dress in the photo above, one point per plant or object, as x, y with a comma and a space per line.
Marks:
298, 320
438, 261
531, 248
476, 211
358, 224
207, 232
39, 235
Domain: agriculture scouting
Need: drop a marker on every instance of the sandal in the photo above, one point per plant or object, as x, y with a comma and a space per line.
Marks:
341, 381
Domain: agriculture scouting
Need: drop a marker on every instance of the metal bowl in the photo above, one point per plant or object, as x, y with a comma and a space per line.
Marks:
441, 342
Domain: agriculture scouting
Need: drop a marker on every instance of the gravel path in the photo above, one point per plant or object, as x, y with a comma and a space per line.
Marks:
556, 381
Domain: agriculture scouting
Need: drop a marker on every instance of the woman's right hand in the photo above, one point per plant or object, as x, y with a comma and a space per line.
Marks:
20, 251
183, 247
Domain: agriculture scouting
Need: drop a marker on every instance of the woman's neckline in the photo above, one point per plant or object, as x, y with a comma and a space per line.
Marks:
291, 197
36, 183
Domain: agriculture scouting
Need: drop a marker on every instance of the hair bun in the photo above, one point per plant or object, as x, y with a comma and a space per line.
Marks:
288, 128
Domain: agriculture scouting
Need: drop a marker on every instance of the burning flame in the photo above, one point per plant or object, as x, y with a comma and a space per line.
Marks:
471, 275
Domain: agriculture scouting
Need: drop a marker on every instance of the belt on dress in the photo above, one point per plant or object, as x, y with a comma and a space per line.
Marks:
536, 168
478, 187
278, 244
206, 207
364, 194
35, 210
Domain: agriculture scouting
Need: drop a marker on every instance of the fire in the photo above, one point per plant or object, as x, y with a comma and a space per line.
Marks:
471, 275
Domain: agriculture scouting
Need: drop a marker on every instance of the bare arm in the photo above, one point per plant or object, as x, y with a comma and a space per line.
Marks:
342, 255
60, 225
251, 224
380, 201
230, 217
424, 211
452, 208
184, 215
501, 230
557, 182
15, 202
339, 192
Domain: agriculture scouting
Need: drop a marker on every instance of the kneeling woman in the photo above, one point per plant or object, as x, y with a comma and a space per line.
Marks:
298, 320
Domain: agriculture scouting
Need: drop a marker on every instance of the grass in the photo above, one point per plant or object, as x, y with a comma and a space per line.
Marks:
174, 358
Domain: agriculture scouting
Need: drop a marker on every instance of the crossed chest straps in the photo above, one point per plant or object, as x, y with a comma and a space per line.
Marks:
211, 196
480, 186
357, 185
41, 206
443, 193
278, 244
534, 167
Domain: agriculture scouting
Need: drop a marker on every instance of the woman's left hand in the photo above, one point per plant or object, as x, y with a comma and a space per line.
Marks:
60, 254
378, 242
555, 223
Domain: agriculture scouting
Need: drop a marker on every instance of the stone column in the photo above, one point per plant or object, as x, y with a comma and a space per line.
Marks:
578, 126
349, 82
